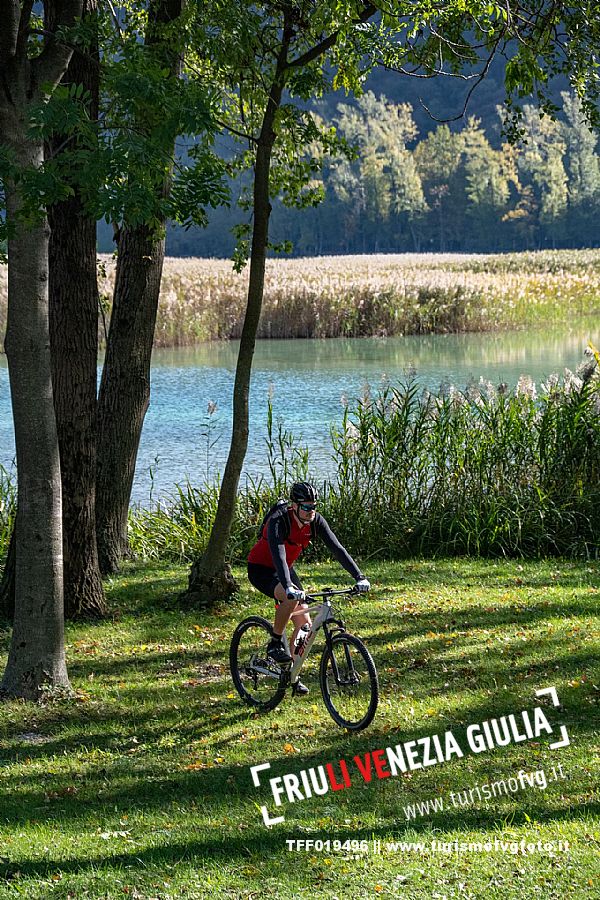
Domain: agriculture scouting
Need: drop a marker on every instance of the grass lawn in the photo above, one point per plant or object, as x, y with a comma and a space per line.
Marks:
141, 786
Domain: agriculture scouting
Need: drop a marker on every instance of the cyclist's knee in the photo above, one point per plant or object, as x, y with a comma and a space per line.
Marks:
280, 595
301, 616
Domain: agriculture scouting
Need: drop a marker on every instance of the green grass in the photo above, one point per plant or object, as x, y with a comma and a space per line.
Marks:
140, 787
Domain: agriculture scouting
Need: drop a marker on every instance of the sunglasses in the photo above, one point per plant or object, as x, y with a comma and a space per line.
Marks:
307, 507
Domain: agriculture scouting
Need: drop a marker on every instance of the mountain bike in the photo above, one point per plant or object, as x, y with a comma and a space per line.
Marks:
347, 673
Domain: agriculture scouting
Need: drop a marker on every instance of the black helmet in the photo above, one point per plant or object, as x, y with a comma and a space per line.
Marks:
304, 492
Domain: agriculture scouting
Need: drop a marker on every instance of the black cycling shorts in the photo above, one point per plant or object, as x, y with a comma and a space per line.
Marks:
265, 579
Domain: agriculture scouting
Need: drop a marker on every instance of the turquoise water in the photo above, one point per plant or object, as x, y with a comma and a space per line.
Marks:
306, 380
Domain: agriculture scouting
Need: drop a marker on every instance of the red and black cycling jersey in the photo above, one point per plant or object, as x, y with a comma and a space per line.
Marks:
283, 540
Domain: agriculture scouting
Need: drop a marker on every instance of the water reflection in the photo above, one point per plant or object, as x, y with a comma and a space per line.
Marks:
307, 380
452, 352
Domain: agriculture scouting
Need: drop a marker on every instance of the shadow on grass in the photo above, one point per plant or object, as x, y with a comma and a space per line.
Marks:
147, 664
402, 621
255, 841
153, 778
145, 716
148, 709
147, 705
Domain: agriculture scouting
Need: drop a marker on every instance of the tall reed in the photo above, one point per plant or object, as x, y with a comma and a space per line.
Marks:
380, 294
482, 471
477, 472
355, 296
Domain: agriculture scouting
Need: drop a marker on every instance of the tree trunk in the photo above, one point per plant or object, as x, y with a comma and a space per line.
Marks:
36, 657
74, 352
210, 577
73, 320
74, 342
125, 387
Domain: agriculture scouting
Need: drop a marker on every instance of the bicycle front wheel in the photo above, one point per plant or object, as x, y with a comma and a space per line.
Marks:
257, 679
349, 683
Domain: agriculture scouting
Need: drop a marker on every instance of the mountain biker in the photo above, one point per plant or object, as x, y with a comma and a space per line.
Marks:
287, 531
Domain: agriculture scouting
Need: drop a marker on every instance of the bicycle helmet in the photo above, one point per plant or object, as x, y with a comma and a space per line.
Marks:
304, 492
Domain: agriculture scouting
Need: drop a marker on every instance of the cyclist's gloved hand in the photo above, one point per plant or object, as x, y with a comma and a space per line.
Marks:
294, 593
363, 585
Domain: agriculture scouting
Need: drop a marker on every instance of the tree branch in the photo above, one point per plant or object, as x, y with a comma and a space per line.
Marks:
115, 18
325, 45
241, 134
50, 65
480, 78
433, 73
453, 45
89, 58
10, 15
244, 136
24, 26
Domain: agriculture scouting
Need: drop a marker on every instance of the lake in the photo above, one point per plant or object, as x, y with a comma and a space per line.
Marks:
307, 381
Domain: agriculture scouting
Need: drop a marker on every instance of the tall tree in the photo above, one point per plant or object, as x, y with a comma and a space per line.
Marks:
29, 71
280, 47
346, 185
122, 170
439, 159
486, 185
583, 170
385, 169
542, 163
365, 182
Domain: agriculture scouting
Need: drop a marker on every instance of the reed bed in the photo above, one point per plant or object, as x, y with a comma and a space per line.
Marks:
358, 296
480, 471
355, 296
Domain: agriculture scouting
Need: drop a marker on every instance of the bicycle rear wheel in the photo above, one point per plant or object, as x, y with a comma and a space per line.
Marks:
349, 683
257, 679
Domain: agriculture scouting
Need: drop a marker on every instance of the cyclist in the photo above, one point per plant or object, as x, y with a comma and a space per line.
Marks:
286, 532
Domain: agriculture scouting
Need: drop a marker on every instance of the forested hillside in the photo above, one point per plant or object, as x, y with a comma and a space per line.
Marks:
420, 183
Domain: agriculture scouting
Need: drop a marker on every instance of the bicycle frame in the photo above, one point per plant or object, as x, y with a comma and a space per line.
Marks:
323, 618
347, 673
